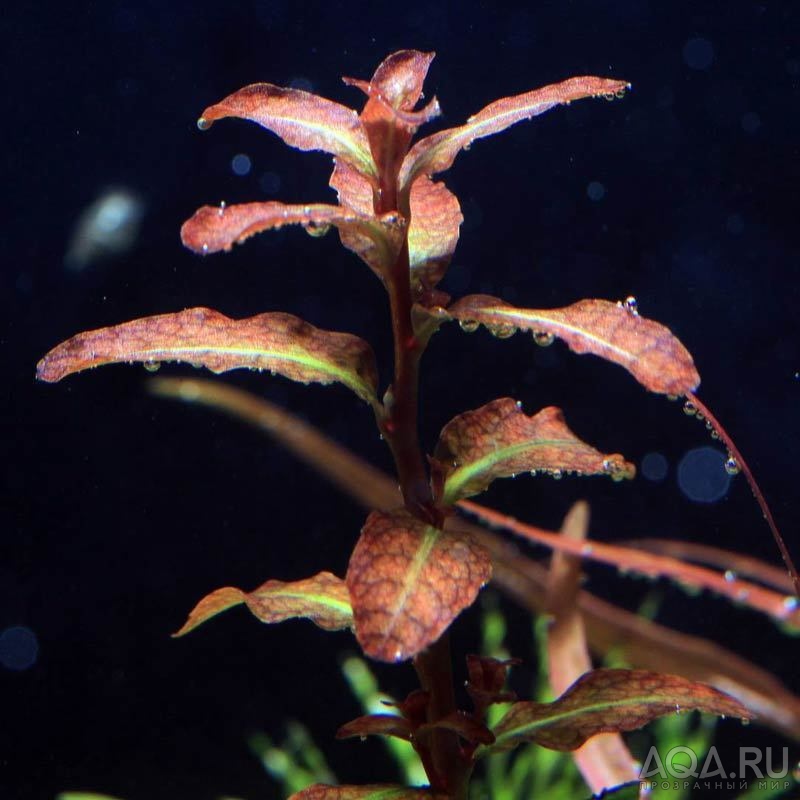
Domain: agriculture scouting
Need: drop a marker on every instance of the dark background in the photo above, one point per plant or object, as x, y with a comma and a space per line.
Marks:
119, 511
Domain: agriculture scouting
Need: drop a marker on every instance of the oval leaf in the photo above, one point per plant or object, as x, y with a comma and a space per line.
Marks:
608, 700
376, 792
432, 232
303, 120
274, 341
408, 581
215, 228
614, 331
498, 440
437, 152
322, 598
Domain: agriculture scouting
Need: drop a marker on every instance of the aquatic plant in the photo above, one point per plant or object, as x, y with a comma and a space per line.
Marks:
418, 562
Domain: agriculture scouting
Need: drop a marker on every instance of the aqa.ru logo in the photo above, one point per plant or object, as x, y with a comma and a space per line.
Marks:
681, 767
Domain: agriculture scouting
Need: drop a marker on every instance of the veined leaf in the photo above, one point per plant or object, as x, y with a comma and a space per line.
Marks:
608, 700
274, 341
408, 581
432, 232
614, 331
303, 120
437, 152
215, 228
322, 598
376, 792
498, 440
388, 117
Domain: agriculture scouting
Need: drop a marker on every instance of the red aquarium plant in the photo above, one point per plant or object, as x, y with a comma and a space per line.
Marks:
417, 563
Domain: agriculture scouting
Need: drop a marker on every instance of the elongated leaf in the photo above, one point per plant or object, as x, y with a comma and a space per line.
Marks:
322, 598
614, 331
215, 228
408, 581
608, 700
437, 152
388, 117
303, 120
498, 440
604, 760
376, 725
274, 341
384, 791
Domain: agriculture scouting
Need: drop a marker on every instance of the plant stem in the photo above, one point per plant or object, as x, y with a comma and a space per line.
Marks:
400, 426
433, 667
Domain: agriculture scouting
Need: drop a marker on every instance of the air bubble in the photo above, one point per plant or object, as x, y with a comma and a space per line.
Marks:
732, 466
543, 338
469, 325
587, 550
533, 473
502, 331
205, 247
556, 474
689, 408
203, 124
730, 576
221, 209
152, 366
631, 305
791, 603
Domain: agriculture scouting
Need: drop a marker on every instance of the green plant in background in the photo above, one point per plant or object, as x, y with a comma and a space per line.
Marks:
418, 562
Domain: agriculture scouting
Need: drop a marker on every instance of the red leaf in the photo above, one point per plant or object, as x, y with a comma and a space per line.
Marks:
608, 700
487, 680
388, 118
614, 331
303, 120
498, 440
274, 341
384, 791
322, 598
433, 230
215, 228
376, 725
437, 152
408, 581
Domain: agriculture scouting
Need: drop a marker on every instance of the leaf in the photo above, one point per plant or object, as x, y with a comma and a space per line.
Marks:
437, 152
498, 440
322, 598
388, 117
408, 581
274, 341
432, 233
215, 228
608, 700
614, 331
303, 120
376, 725
376, 792
604, 760
782, 609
